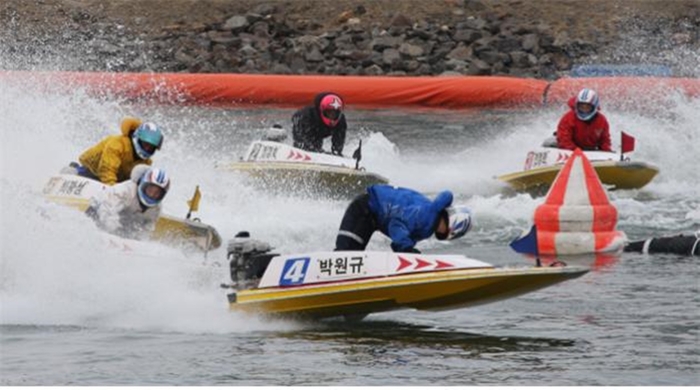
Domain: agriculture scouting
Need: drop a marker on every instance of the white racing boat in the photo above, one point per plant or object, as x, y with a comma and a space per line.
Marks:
281, 168
76, 191
542, 166
355, 284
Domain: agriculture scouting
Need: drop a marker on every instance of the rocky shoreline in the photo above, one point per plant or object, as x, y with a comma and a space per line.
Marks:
474, 40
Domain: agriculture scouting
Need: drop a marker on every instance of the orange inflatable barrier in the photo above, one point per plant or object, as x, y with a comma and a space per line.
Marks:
624, 92
453, 92
236, 89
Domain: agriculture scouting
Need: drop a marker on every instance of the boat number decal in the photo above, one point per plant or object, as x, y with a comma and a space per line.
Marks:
347, 265
53, 182
72, 187
294, 271
535, 160
262, 152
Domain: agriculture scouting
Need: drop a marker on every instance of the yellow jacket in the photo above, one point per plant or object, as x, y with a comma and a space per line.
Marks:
113, 158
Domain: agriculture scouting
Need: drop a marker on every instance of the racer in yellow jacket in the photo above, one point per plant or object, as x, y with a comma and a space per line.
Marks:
113, 158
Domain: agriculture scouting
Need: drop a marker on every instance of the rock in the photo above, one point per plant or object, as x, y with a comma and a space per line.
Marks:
235, 23
281, 69
261, 29
373, 70
461, 53
467, 35
521, 59
343, 17
401, 20
474, 5
506, 43
531, 43
265, 9
314, 55
424, 70
479, 68
492, 57
222, 37
298, 65
384, 42
410, 50
681, 39
247, 50
561, 61
391, 56
472, 23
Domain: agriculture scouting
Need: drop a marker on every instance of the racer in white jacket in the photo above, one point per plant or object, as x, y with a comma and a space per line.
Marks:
131, 208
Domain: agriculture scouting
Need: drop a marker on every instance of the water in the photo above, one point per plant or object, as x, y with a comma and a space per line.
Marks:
76, 308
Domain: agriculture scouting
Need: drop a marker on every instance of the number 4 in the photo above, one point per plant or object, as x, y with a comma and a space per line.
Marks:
294, 271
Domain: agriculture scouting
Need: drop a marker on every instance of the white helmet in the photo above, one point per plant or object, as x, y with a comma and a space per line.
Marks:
459, 222
589, 98
153, 186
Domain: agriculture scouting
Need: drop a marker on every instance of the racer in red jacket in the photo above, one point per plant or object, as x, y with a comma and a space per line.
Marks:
584, 126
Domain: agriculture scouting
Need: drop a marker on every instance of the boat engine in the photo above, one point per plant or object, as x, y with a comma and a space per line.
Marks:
249, 259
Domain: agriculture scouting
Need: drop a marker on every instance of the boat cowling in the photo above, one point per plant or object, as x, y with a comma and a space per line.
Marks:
248, 259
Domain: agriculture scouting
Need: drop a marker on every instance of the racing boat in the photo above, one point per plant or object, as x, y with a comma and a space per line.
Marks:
278, 167
354, 284
542, 166
76, 191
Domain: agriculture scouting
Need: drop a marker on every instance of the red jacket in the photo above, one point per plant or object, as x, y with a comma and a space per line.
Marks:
574, 133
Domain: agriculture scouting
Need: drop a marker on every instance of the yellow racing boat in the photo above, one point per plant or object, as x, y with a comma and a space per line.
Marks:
76, 191
355, 284
281, 168
542, 166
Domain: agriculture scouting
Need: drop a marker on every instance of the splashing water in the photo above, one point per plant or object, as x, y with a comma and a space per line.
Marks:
52, 275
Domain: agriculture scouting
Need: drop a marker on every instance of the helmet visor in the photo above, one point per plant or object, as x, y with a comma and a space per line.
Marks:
584, 108
442, 228
153, 191
331, 113
148, 147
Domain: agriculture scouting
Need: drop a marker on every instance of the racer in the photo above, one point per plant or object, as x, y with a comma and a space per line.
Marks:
112, 160
584, 126
404, 215
325, 118
130, 209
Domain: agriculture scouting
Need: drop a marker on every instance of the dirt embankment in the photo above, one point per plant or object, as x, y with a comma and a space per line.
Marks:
542, 39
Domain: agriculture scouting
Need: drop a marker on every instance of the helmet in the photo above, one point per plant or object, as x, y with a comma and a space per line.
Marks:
331, 108
586, 104
459, 222
146, 139
153, 186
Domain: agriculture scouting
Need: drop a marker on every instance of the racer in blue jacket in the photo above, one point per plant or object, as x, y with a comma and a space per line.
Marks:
404, 215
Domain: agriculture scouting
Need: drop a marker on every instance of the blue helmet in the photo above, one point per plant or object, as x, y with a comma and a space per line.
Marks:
153, 186
459, 221
146, 139
586, 104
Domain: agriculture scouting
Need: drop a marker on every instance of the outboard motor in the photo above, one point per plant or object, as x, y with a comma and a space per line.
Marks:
249, 259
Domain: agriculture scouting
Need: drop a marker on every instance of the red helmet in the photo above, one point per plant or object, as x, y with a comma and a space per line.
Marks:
331, 108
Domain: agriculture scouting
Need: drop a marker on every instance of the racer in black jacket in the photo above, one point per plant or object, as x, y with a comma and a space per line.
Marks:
314, 123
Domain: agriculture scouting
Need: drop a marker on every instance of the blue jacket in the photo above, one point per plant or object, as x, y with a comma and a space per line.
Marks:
404, 215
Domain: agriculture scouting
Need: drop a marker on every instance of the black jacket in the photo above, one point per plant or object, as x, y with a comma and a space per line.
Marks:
308, 129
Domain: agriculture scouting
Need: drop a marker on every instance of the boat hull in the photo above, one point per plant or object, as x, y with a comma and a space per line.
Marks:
433, 291
306, 179
619, 175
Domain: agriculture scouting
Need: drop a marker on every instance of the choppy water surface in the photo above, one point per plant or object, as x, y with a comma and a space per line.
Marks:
76, 309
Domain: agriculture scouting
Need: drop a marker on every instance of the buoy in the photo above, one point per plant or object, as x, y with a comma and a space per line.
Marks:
577, 216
